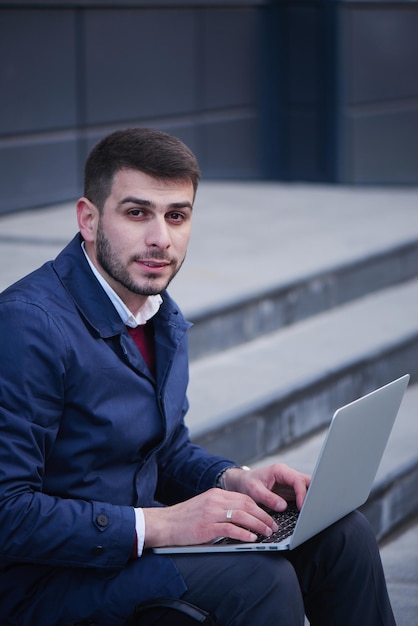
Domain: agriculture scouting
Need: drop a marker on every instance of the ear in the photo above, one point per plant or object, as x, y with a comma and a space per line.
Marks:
87, 218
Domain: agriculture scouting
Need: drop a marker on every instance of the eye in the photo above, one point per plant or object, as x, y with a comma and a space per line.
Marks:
135, 212
175, 216
180, 214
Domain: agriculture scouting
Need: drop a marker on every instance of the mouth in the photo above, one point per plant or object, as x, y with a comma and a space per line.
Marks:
153, 265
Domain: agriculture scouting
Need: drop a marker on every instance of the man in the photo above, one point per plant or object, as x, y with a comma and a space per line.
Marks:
94, 374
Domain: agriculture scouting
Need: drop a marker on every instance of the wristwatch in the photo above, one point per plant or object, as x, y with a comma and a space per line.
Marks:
219, 482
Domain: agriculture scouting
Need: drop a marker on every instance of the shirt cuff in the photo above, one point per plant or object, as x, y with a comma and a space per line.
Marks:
140, 530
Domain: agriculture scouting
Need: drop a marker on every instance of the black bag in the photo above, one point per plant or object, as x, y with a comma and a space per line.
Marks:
170, 612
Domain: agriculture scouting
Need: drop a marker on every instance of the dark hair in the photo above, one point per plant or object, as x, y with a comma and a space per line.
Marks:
153, 152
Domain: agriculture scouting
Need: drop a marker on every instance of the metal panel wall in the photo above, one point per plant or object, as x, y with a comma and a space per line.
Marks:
347, 101
318, 90
378, 79
69, 75
37, 107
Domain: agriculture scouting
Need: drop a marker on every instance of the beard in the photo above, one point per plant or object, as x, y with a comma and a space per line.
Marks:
118, 271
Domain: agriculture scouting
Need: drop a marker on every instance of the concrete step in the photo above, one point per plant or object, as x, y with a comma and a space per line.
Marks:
263, 255
250, 316
399, 557
254, 399
394, 496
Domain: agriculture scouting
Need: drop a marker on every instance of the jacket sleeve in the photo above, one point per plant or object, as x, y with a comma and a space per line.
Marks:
186, 469
36, 526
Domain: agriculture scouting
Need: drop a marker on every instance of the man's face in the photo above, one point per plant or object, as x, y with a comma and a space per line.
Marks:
139, 241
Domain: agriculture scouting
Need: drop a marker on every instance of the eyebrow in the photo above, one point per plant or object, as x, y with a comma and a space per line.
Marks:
148, 203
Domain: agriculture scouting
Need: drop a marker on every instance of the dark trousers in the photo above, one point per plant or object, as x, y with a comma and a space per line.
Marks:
336, 578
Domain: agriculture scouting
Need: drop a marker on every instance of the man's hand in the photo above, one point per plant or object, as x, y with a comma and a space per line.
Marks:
233, 512
272, 486
215, 513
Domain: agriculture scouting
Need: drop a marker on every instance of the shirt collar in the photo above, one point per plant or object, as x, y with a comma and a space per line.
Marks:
149, 309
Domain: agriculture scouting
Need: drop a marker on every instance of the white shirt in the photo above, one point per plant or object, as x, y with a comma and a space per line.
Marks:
148, 310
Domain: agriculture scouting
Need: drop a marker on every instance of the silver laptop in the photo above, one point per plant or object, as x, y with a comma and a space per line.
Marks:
343, 476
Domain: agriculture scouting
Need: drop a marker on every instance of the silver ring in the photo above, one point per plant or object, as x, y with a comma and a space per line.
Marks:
229, 514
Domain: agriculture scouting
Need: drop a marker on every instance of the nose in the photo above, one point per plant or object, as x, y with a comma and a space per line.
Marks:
158, 234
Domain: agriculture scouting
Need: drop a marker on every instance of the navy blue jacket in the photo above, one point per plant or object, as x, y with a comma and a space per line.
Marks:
87, 433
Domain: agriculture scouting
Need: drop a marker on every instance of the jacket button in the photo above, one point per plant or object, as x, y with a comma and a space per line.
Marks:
98, 550
102, 520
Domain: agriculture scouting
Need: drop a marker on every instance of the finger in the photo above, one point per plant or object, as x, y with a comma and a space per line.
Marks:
235, 532
260, 522
300, 488
274, 501
292, 488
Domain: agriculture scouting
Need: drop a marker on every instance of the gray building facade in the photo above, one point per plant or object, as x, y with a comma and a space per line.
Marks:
290, 90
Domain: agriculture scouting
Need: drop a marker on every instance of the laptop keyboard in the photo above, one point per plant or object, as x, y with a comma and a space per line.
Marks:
286, 522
